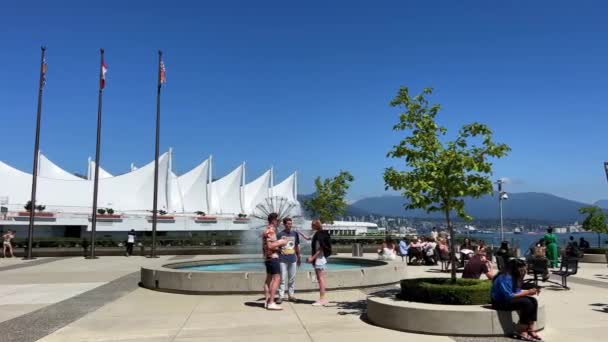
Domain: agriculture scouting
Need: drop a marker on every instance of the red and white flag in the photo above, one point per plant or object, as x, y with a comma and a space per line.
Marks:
104, 69
162, 73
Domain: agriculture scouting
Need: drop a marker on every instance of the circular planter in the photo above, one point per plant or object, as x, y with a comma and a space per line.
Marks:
169, 278
443, 291
437, 319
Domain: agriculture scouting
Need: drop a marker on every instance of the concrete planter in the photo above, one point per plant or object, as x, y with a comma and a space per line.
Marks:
452, 320
594, 258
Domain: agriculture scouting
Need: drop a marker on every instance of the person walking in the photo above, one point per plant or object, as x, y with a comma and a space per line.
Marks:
321, 250
7, 243
270, 249
552, 248
130, 242
289, 259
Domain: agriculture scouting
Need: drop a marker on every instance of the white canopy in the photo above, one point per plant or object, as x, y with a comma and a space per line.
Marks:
256, 191
287, 188
91, 171
48, 169
129, 192
226, 193
193, 186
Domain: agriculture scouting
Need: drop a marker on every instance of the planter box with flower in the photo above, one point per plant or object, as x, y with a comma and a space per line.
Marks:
162, 217
107, 215
201, 217
39, 214
241, 219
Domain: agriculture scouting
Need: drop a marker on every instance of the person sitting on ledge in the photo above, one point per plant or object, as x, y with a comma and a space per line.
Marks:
503, 252
507, 295
478, 265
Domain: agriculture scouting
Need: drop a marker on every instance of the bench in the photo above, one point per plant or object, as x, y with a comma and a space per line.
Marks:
568, 267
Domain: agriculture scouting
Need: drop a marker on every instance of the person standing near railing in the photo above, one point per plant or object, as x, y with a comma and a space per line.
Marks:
130, 242
552, 248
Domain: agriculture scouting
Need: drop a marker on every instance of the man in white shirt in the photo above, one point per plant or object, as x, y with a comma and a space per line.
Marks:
130, 242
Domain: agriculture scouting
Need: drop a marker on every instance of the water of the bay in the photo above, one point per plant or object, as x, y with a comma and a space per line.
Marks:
525, 240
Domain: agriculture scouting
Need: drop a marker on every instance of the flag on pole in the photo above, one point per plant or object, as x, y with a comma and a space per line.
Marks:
162, 74
44, 72
104, 69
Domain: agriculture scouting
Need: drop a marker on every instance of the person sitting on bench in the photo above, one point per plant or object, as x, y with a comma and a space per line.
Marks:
478, 265
507, 295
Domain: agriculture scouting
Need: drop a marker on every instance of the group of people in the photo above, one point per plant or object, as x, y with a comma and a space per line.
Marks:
427, 250
282, 257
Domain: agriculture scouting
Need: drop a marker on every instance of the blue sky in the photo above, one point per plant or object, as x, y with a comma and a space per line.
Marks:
306, 86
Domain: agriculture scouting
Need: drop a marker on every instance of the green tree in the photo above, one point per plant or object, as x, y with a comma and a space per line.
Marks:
328, 201
595, 221
439, 174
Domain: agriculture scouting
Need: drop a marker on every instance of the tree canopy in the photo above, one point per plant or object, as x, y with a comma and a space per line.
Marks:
328, 201
439, 173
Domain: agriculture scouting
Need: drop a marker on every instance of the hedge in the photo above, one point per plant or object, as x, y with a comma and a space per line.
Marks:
596, 250
443, 291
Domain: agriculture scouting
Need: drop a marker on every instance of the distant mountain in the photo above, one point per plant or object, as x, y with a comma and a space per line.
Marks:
526, 205
602, 203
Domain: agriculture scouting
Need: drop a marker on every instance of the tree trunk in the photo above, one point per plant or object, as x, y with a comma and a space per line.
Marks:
599, 240
452, 245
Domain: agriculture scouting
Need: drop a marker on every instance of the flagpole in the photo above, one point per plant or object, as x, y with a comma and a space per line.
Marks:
30, 230
156, 152
97, 149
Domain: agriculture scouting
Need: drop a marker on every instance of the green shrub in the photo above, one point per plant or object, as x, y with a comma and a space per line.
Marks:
443, 291
596, 250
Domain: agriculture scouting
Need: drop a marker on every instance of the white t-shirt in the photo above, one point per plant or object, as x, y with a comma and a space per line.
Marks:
131, 238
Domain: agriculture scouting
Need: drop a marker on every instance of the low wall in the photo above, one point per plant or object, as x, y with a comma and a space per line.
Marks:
594, 258
168, 279
453, 320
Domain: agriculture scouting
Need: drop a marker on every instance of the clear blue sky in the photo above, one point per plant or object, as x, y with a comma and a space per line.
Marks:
306, 86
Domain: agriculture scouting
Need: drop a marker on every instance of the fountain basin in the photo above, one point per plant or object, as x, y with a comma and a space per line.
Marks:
212, 276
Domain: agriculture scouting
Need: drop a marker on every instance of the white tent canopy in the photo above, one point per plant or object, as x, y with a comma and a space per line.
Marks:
256, 191
193, 191
287, 188
48, 169
129, 192
226, 193
91, 171
193, 185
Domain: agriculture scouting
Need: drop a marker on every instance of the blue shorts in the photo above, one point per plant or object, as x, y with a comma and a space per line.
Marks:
273, 266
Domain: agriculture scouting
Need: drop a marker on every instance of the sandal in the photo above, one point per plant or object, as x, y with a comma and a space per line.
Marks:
535, 336
519, 336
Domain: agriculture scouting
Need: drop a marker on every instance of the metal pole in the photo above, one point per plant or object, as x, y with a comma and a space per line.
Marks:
156, 153
30, 231
97, 149
502, 234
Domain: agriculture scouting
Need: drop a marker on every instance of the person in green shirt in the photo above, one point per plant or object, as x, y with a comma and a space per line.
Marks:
552, 250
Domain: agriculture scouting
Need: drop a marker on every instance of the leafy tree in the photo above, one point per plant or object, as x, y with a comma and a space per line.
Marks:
595, 221
328, 201
440, 173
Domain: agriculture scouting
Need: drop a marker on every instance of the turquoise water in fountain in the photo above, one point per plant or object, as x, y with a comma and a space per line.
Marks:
259, 267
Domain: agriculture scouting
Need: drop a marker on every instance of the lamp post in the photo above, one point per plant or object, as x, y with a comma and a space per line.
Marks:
502, 196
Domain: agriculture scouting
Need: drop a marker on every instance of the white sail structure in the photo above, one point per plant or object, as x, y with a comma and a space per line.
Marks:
130, 192
287, 188
226, 193
91, 171
193, 186
48, 169
256, 191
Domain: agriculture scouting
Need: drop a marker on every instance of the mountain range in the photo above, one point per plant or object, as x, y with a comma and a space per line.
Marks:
525, 205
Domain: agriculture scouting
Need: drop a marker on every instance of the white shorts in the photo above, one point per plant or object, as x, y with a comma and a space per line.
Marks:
320, 263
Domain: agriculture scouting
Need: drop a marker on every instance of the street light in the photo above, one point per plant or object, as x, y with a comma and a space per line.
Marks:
502, 196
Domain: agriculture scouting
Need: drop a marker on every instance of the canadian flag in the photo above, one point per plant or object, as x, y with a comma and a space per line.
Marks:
104, 69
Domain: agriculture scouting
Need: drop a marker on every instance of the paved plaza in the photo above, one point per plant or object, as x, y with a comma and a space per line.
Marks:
72, 299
